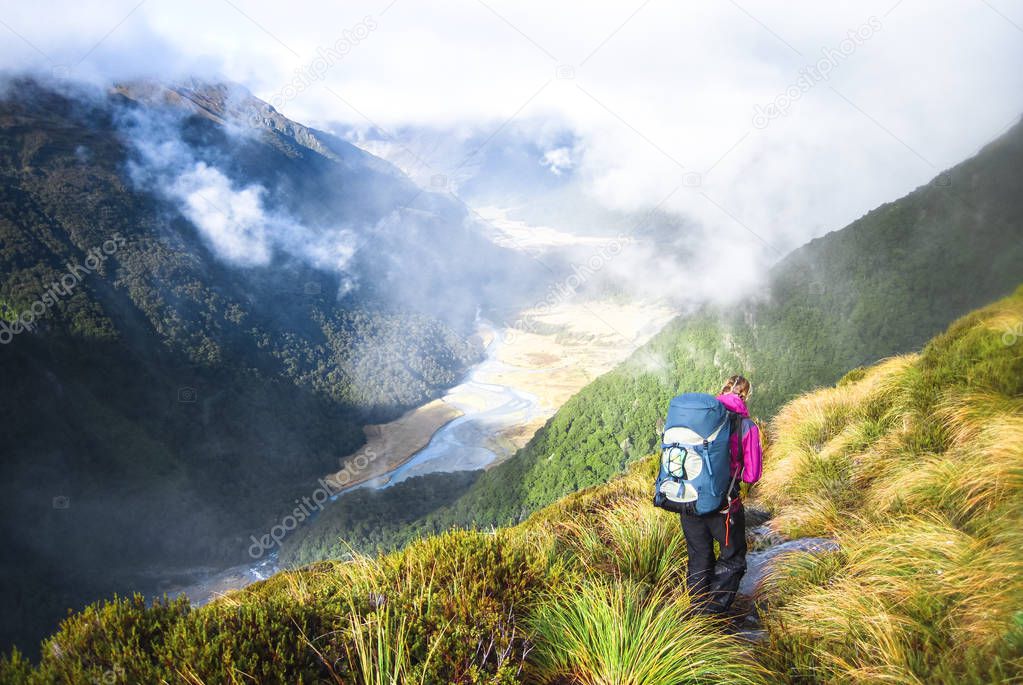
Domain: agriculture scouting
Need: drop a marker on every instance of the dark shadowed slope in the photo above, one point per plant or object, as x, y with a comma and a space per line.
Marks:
181, 391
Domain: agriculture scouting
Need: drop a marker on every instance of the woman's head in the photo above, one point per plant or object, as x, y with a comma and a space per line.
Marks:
738, 385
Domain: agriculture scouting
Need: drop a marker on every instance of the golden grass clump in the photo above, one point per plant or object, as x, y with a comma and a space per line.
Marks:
809, 466
978, 476
914, 601
613, 632
916, 468
633, 541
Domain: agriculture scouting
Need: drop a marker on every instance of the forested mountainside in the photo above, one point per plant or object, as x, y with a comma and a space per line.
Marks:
881, 286
200, 304
911, 470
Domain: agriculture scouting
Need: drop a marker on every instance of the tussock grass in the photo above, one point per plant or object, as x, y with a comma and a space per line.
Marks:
916, 601
813, 444
611, 632
916, 467
633, 541
380, 648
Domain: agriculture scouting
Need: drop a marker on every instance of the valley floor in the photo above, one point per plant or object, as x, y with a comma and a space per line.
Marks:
588, 340
546, 355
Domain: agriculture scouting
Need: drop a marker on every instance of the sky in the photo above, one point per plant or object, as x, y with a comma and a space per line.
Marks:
767, 123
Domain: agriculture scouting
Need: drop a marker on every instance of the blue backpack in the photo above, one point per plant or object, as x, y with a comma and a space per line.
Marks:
695, 468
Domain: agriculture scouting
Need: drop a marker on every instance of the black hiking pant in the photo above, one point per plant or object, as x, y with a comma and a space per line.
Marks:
713, 581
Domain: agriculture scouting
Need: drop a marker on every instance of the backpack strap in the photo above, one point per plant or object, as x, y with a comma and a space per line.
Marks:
738, 421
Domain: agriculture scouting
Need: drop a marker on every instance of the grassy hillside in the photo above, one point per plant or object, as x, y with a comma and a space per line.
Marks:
915, 466
881, 286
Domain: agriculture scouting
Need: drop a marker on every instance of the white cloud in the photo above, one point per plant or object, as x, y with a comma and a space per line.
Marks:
669, 91
558, 160
233, 221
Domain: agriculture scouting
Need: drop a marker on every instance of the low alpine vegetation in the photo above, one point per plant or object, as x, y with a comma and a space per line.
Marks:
581, 593
914, 466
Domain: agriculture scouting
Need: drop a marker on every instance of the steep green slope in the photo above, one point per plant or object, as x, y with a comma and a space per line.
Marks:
926, 586
161, 403
880, 286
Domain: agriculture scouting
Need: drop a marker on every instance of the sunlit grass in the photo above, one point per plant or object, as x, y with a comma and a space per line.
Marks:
909, 602
380, 649
612, 632
814, 442
633, 540
916, 467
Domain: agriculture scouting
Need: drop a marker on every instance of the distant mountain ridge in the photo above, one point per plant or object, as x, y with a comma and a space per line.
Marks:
231, 104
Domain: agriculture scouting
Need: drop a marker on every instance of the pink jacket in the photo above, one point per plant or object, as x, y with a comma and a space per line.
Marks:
751, 456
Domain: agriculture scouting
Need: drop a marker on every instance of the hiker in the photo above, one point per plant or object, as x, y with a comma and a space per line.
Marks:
713, 592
